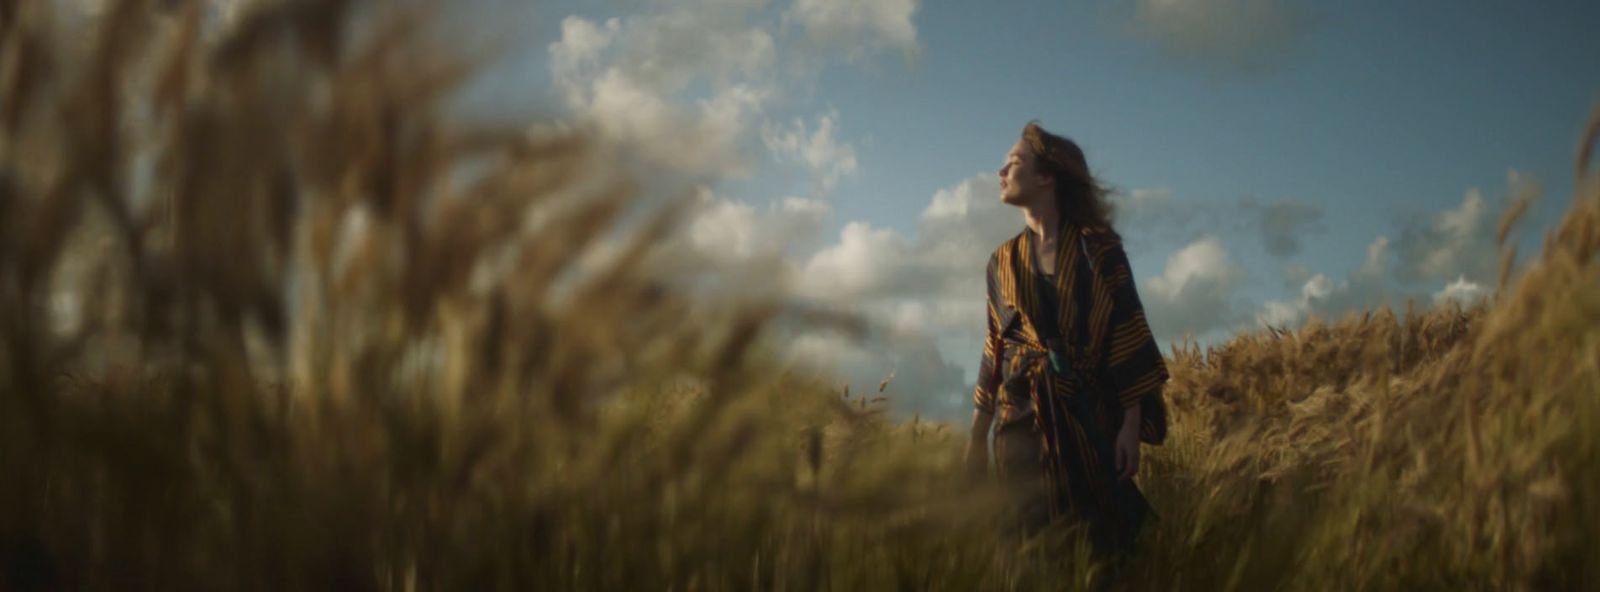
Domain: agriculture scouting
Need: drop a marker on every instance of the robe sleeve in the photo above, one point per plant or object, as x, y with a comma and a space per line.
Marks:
1133, 359
989, 368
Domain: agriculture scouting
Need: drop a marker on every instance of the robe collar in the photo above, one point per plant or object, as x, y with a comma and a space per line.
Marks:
1018, 274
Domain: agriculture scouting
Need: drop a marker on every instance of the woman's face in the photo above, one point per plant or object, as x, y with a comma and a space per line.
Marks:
1021, 183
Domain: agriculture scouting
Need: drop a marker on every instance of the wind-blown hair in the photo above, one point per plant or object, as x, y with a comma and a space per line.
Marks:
1080, 197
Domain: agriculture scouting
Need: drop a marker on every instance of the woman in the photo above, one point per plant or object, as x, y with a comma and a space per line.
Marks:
1071, 377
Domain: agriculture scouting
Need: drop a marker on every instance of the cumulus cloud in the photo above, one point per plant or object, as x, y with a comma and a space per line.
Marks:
685, 85
580, 50
637, 80
1244, 36
825, 157
859, 26
730, 231
925, 290
1366, 288
972, 204
1442, 257
689, 86
1278, 313
731, 247
1460, 242
866, 262
1195, 293
724, 226
961, 226
956, 232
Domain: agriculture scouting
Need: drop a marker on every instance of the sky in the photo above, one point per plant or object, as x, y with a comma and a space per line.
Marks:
1275, 160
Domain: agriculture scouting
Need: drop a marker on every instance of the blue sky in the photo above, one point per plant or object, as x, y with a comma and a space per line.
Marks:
1278, 159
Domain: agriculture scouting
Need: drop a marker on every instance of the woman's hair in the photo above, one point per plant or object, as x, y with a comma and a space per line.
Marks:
1080, 197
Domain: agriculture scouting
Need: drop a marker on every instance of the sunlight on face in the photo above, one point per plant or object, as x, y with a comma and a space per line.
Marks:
1020, 181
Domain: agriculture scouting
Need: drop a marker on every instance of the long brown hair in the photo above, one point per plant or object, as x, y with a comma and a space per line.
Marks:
1080, 197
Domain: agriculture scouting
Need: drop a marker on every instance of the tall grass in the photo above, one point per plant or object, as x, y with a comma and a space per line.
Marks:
1447, 449
269, 320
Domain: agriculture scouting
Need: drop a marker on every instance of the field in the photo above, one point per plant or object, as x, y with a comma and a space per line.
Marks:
270, 320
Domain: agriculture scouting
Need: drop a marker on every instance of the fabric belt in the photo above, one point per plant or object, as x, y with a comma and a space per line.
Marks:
1081, 405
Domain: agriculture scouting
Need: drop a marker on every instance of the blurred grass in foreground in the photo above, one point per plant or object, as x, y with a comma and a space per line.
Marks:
268, 321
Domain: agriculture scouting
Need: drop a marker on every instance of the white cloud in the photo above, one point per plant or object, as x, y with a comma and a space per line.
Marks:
1460, 242
1203, 260
1313, 292
1319, 295
827, 158
682, 87
719, 42
1455, 247
724, 226
976, 198
958, 230
865, 262
811, 209
702, 141
924, 292
964, 224
1234, 35
859, 26
1194, 295
728, 231
1460, 291
685, 84
1277, 313
1377, 257
581, 47
1456, 241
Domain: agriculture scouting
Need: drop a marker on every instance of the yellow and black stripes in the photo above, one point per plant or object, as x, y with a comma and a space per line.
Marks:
1133, 362
1108, 344
1116, 343
989, 370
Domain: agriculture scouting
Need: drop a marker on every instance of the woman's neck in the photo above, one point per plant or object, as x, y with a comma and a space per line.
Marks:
1043, 219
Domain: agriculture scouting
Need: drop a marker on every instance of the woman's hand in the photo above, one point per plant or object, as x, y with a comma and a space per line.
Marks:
1127, 451
977, 454
977, 457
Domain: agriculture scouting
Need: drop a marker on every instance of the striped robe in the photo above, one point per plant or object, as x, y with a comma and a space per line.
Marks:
1115, 362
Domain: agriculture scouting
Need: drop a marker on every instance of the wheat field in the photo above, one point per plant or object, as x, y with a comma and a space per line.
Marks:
269, 319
